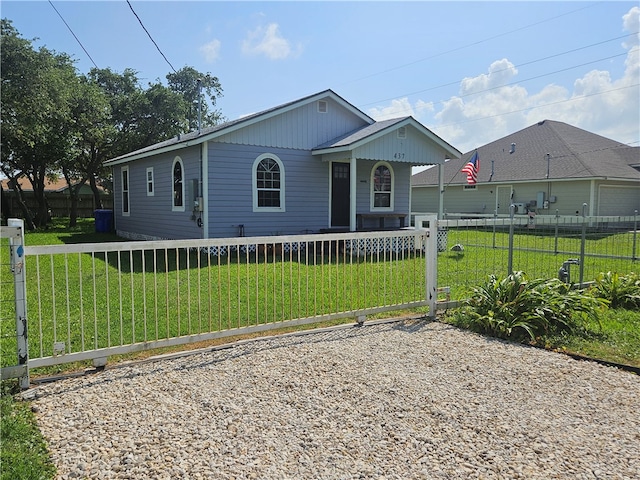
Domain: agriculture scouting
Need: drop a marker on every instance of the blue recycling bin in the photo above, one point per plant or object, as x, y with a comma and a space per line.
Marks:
104, 221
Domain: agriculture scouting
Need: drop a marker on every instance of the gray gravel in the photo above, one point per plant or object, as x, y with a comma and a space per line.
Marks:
391, 401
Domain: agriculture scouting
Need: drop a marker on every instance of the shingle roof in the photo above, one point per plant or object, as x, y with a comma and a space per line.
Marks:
204, 133
360, 134
574, 153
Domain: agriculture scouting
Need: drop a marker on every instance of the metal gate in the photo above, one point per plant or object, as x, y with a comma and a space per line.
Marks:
91, 301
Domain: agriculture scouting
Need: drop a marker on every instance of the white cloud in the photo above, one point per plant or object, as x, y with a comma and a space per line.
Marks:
269, 42
631, 23
211, 50
400, 107
485, 111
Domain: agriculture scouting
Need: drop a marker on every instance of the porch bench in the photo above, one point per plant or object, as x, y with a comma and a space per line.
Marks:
360, 217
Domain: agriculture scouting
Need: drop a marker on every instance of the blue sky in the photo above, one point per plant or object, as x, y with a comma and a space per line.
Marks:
471, 72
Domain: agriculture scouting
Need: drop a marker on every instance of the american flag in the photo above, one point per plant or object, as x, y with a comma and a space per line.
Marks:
472, 168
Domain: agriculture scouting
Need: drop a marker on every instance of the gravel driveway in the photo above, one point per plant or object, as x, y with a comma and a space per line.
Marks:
404, 400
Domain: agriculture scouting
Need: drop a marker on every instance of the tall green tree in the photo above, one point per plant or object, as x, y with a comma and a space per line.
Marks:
89, 130
36, 86
195, 86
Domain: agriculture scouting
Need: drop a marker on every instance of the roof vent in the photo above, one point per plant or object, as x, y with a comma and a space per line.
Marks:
513, 148
323, 106
541, 122
402, 132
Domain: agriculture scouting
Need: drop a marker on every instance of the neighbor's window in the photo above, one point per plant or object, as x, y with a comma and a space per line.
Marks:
382, 187
178, 185
125, 190
268, 184
150, 182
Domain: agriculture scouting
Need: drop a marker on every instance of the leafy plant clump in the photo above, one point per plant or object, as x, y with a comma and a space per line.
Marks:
520, 309
621, 291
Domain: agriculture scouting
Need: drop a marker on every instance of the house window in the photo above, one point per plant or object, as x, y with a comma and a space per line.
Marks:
382, 187
125, 191
178, 185
150, 182
268, 184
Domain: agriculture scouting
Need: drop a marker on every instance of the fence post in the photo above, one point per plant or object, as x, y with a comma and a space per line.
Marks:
16, 248
430, 224
512, 211
634, 257
556, 234
583, 241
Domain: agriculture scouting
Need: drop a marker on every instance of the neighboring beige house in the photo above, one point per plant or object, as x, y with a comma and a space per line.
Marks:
550, 167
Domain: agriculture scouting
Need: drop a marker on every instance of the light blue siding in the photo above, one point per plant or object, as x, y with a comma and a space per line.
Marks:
402, 176
231, 200
302, 128
152, 216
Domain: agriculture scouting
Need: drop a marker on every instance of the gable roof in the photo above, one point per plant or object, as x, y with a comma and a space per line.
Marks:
574, 154
355, 139
206, 134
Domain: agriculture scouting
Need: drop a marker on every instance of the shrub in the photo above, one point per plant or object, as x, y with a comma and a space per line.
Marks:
622, 291
520, 309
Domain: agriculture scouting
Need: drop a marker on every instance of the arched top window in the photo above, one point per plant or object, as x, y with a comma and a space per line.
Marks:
268, 184
177, 174
382, 187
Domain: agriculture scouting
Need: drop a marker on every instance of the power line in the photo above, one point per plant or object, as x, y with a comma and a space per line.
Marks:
522, 81
74, 35
470, 44
150, 37
581, 97
515, 66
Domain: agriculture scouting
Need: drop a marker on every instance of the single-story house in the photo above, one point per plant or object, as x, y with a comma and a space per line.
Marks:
550, 167
315, 164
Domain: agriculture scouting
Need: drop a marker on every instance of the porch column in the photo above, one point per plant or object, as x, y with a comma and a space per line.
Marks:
440, 191
352, 194
204, 152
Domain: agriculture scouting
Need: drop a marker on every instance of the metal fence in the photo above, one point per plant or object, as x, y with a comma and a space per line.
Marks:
90, 301
573, 248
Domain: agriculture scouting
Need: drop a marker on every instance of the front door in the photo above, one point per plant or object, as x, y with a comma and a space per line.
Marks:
340, 185
503, 199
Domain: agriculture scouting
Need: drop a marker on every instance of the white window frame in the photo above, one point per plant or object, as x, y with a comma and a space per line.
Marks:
174, 207
123, 191
150, 184
254, 184
372, 206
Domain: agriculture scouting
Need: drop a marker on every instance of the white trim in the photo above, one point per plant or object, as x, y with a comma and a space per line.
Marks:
254, 187
174, 207
127, 190
150, 183
205, 189
372, 206
353, 186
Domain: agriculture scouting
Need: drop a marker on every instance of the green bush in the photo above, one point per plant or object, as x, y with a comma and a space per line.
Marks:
520, 309
621, 291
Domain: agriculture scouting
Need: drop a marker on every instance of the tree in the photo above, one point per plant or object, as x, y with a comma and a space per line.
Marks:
91, 128
34, 111
185, 82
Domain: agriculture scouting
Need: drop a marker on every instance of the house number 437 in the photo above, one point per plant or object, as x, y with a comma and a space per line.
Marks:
398, 156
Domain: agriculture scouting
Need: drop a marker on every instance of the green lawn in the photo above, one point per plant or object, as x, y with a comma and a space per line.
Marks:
615, 338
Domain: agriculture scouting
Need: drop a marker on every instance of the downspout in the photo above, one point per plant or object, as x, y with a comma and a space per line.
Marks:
592, 198
352, 193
